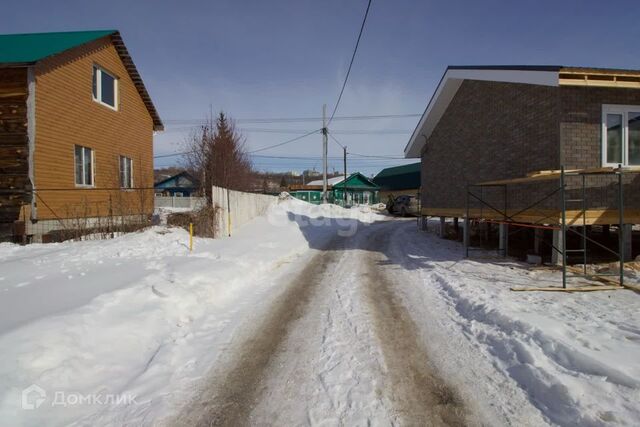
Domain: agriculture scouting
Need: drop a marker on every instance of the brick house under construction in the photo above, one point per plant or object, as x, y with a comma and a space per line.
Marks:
492, 123
76, 132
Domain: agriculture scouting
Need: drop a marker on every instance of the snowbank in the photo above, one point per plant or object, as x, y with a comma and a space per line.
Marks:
106, 331
576, 357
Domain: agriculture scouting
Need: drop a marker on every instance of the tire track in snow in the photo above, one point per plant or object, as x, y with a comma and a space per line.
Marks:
235, 391
419, 395
328, 371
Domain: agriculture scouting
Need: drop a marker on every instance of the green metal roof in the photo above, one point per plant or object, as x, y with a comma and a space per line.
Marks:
28, 48
356, 181
399, 177
22, 49
399, 170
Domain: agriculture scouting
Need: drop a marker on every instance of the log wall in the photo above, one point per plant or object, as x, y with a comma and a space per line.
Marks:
14, 148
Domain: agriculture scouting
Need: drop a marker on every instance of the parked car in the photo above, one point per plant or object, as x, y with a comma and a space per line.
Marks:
403, 205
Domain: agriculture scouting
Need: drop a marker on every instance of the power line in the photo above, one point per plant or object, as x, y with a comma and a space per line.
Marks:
314, 158
283, 143
162, 156
336, 141
377, 156
182, 153
263, 156
366, 13
297, 119
304, 131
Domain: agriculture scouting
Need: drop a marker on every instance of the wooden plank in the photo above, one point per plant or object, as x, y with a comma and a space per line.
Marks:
609, 280
555, 174
569, 289
520, 180
541, 216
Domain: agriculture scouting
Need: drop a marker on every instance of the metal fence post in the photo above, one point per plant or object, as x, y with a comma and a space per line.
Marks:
621, 225
466, 226
506, 226
563, 227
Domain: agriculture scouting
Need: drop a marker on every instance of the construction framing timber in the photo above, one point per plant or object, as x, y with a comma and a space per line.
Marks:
597, 216
562, 221
597, 77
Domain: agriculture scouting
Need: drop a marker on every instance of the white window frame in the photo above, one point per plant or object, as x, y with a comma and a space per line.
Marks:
93, 167
130, 160
623, 110
98, 70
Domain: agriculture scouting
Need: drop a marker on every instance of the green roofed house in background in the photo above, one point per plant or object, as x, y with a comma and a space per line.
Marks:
399, 180
360, 190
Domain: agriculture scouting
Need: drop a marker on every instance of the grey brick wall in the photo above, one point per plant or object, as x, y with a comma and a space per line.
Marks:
492, 131
581, 136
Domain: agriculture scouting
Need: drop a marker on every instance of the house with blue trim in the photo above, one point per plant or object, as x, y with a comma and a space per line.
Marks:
180, 185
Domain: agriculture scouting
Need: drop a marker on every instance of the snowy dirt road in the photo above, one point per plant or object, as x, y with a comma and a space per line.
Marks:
336, 347
310, 315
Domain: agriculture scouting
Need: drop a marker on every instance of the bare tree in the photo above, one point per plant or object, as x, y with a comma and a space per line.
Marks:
217, 156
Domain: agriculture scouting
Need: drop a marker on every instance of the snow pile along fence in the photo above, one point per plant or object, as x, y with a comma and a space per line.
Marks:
237, 207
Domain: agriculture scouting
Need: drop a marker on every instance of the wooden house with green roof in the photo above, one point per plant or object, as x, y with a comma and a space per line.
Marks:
76, 132
359, 190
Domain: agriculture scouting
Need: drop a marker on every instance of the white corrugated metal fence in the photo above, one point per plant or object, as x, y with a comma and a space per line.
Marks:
237, 208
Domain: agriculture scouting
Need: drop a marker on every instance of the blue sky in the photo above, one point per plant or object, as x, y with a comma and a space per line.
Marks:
282, 59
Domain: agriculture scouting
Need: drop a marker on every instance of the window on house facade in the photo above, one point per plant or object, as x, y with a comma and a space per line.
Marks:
621, 135
84, 166
105, 88
126, 172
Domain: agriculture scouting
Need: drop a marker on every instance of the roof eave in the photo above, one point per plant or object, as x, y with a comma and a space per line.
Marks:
452, 79
118, 43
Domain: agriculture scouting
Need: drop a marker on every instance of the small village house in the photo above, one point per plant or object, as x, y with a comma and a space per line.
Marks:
179, 185
398, 180
359, 190
488, 123
76, 132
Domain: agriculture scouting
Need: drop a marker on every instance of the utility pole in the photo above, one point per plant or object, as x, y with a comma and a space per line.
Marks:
324, 153
344, 185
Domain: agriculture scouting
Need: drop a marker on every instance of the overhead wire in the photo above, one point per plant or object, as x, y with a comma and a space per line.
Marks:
297, 119
353, 56
284, 143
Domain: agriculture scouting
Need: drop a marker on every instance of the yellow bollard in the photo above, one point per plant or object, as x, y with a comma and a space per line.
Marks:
190, 237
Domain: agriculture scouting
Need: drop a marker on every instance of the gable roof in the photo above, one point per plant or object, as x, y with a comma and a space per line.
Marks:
331, 181
338, 181
545, 75
356, 176
399, 177
27, 49
182, 174
398, 170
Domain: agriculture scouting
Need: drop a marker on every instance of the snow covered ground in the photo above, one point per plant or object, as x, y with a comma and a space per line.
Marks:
137, 317
574, 357
126, 331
